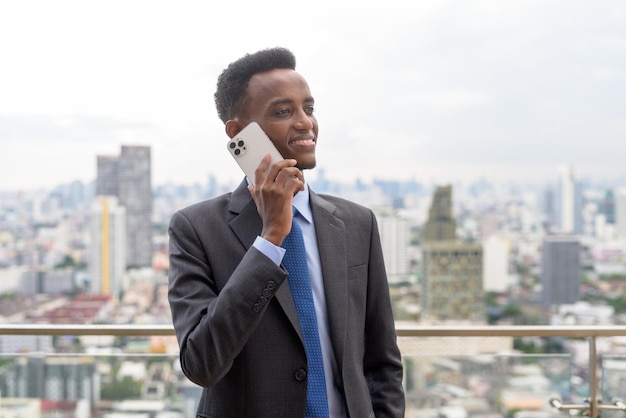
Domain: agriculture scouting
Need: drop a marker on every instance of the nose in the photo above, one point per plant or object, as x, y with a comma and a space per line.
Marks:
304, 121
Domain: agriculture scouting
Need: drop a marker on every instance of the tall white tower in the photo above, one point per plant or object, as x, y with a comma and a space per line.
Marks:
496, 251
394, 237
107, 260
568, 202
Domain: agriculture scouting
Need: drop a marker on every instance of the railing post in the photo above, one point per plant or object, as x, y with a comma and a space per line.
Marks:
593, 405
594, 402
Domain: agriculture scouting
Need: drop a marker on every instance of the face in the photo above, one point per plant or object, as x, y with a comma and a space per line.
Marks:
281, 102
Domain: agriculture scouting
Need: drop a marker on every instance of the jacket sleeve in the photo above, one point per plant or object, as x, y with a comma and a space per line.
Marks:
382, 363
213, 321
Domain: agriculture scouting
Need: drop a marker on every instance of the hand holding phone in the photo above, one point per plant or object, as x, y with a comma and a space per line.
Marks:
249, 147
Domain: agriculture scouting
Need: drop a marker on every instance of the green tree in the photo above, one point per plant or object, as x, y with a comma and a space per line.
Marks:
618, 303
126, 388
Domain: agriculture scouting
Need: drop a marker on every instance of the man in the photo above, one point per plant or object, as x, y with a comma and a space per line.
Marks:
236, 319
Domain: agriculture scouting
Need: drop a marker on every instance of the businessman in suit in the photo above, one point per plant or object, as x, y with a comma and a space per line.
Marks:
235, 317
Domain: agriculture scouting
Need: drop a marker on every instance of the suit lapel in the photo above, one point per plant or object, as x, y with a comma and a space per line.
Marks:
246, 223
332, 245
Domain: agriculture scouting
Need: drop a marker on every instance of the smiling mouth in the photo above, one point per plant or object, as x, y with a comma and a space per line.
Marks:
309, 140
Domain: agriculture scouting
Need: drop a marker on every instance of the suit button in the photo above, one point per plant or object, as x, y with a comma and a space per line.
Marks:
271, 285
262, 300
257, 307
267, 293
301, 375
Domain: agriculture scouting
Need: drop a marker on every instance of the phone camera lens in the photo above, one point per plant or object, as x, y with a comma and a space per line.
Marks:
237, 151
232, 145
240, 143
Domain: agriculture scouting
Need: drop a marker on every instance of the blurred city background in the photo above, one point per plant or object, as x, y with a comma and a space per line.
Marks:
462, 254
487, 136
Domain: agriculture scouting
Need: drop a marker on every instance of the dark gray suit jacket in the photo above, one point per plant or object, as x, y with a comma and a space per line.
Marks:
236, 321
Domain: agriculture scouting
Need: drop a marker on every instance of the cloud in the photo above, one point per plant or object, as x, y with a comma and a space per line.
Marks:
69, 128
454, 99
483, 83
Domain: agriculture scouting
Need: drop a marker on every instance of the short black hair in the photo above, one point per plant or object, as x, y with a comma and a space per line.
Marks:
233, 82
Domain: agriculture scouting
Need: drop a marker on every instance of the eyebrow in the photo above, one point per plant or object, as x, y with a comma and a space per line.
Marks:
290, 101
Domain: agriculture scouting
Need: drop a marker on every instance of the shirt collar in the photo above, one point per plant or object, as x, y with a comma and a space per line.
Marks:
301, 201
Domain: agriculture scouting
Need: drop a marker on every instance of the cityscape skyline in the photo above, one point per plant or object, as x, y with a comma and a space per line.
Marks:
485, 266
449, 91
539, 181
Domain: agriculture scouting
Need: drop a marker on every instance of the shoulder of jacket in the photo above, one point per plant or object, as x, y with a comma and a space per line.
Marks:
206, 205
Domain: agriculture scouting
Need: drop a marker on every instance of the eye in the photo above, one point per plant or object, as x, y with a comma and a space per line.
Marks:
309, 110
283, 112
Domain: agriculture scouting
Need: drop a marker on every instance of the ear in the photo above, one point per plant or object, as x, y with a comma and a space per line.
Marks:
232, 128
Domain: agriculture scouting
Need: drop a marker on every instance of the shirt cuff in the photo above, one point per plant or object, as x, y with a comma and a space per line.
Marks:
270, 250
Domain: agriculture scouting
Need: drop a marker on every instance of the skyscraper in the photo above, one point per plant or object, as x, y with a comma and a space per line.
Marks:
496, 251
128, 177
453, 281
441, 224
620, 213
568, 202
452, 275
394, 237
560, 270
607, 206
107, 178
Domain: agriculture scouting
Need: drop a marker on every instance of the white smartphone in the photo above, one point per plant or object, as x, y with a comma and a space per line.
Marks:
249, 147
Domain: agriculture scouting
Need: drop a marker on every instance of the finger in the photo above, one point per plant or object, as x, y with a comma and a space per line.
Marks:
274, 170
261, 171
291, 180
294, 184
291, 172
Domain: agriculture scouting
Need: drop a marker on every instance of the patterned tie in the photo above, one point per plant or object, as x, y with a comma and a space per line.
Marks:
300, 284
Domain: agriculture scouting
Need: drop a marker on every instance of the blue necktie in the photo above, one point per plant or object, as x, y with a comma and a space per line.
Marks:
300, 284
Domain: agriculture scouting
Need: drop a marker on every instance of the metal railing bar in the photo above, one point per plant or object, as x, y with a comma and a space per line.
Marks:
510, 331
402, 330
100, 329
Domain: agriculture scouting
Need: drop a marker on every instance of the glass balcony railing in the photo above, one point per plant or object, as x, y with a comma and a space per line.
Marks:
450, 372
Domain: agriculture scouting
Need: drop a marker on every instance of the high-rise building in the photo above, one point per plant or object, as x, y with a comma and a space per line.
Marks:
549, 207
453, 282
568, 202
128, 177
394, 237
107, 261
441, 224
606, 207
496, 251
107, 178
560, 270
452, 272
620, 213
604, 221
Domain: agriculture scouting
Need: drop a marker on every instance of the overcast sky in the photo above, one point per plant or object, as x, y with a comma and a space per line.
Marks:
426, 90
